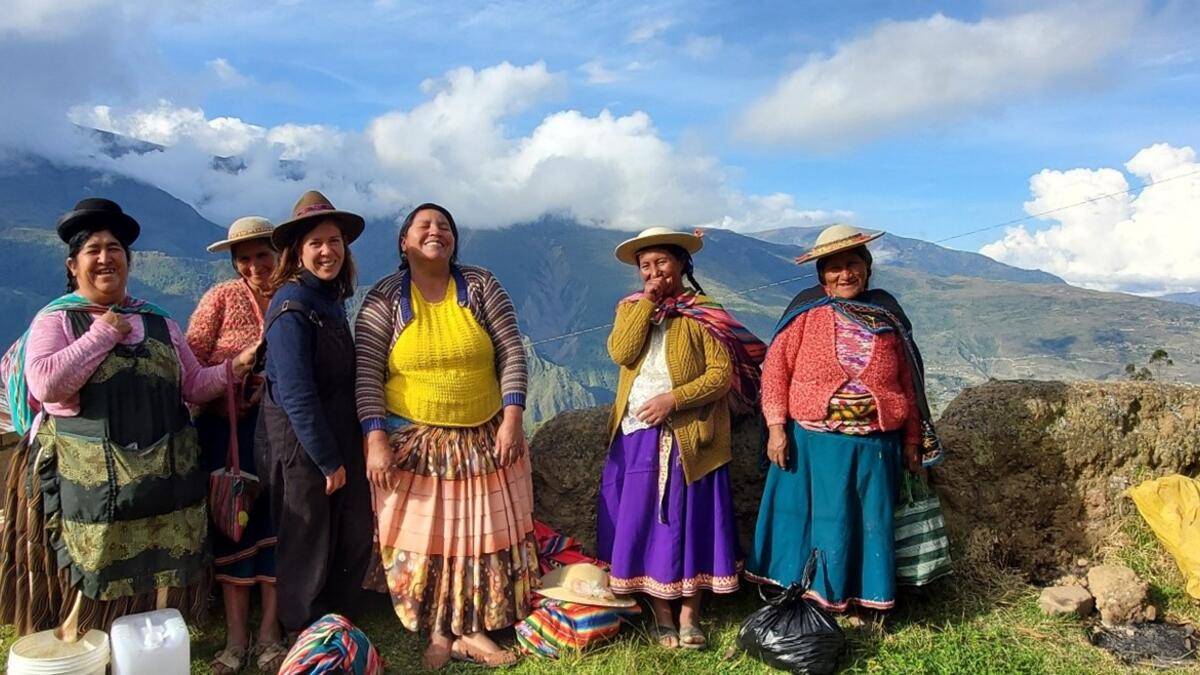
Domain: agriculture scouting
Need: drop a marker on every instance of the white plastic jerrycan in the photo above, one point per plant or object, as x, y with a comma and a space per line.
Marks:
151, 643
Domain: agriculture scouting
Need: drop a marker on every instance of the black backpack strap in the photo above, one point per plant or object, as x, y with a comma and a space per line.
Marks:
260, 357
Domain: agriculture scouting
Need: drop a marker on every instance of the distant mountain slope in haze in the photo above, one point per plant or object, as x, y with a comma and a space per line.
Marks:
916, 254
1185, 298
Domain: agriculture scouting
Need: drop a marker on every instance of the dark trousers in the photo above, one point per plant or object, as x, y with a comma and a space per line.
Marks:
324, 541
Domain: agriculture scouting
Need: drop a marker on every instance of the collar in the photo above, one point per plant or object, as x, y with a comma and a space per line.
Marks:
325, 288
406, 313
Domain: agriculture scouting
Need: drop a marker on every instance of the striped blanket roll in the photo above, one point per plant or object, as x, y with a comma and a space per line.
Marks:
332, 646
554, 626
922, 548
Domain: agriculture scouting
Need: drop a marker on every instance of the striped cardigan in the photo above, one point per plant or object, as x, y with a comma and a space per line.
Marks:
387, 309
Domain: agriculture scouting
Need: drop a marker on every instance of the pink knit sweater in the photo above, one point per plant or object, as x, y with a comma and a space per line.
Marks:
227, 320
802, 372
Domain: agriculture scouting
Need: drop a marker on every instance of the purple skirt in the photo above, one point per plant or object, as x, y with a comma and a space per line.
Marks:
671, 547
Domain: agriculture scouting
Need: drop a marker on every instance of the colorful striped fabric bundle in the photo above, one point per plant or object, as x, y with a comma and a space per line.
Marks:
557, 550
554, 626
332, 646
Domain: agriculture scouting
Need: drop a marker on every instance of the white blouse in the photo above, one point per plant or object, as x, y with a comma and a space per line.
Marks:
653, 379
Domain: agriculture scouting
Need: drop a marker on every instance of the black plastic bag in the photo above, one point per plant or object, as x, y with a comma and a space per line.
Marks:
794, 633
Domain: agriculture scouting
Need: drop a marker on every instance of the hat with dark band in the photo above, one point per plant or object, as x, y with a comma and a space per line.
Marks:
313, 208
95, 214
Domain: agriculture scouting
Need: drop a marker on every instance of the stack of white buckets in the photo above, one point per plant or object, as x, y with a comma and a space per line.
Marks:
153, 642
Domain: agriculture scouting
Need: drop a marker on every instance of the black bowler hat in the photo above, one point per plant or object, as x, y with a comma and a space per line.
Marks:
95, 214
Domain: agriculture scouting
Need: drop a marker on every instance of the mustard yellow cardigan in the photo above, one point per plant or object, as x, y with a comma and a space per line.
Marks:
701, 375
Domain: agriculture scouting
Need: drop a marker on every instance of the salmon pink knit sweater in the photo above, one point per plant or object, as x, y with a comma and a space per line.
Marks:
802, 372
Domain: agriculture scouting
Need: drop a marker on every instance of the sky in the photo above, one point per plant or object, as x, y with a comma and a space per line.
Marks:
1027, 131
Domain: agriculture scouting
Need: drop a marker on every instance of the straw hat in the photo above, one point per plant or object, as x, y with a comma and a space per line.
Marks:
835, 239
95, 214
583, 583
657, 236
312, 208
244, 229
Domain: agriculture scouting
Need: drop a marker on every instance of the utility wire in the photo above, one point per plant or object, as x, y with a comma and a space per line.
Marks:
1006, 223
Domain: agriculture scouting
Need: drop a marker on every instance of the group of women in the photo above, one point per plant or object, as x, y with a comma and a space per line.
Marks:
393, 458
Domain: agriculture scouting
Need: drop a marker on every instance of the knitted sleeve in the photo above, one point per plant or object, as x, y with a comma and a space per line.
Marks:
777, 370
713, 383
628, 337
501, 320
205, 325
56, 365
373, 331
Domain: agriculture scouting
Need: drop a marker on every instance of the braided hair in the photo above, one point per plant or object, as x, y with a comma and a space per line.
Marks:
685, 260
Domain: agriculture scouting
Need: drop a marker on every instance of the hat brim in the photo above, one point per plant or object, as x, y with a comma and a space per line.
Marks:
833, 247
122, 225
563, 595
226, 244
286, 232
627, 250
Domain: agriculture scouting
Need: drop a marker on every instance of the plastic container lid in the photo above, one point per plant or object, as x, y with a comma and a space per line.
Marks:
44, 653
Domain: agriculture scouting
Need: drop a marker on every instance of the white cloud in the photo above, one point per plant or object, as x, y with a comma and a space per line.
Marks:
597, 73
756, 213
703, 47
456, 148
228, 75
648, 30
1144, 241
908, 73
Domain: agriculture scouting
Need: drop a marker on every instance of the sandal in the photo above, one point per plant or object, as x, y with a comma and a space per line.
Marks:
461, 651
269, 656
229, 661
435, 657
691, 637
666, 636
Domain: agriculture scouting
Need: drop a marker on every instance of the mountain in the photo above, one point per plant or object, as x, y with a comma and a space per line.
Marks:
916, 254
975, 318
1186, 298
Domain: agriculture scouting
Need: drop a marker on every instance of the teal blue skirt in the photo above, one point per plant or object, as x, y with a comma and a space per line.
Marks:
837, 495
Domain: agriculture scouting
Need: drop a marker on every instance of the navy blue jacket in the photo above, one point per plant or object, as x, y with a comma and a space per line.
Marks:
291, 343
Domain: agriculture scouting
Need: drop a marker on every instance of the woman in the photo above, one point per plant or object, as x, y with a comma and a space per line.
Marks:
107, 512
840, 398
228, 320
665, 518
320, 499
441, 396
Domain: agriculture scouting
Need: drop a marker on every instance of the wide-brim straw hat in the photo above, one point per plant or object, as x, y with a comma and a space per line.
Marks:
835, 239
247, 228
582, 583
657, 236
312, 208
95, 214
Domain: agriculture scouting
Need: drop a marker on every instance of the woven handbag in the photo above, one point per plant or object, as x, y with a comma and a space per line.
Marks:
231, 491
922, 548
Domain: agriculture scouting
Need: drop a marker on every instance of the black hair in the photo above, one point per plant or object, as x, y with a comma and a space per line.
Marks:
679, 253
75, 245
408, 221
860, 251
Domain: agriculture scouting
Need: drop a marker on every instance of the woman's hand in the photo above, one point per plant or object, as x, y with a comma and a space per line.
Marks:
777, 446
510, 438
379, 460
116, 321
335, 481
653, 290
912, 458
243, 362
656, 411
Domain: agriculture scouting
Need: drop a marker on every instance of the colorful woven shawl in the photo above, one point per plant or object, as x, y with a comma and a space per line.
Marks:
332, 646
12, 368
745, 349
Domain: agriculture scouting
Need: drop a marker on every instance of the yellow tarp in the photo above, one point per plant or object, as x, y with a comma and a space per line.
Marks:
1171, 507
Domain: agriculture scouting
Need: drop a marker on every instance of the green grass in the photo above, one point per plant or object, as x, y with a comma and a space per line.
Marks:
980, 621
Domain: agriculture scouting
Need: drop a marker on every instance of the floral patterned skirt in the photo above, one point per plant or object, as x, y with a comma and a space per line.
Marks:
456, 534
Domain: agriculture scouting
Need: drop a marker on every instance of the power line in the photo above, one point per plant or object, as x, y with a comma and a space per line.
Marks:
1047, 212
1006, 223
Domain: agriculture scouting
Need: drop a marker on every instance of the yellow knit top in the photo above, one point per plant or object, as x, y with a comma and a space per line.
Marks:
442, 369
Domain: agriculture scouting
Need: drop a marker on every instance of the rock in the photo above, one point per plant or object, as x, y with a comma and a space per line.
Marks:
1082, 563
1056, 600
1120, 595
1151, 614
568, 453
1034, 470
1070, 580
